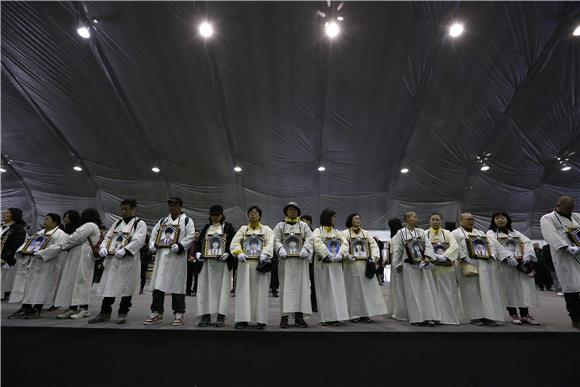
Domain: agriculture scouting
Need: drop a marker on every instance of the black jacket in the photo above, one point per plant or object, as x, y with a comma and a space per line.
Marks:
15, 237
230, 232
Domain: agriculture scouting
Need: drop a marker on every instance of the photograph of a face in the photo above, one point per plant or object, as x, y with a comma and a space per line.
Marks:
167, 235
478, 247
292, 244
35, 243
253, 245
514, 246
440, 247
333, 245
358, 247
415, 249
215, 245
118, 241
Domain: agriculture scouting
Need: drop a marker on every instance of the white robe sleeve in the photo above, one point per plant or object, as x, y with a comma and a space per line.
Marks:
429, 252
555, 239
308, 239
107, 237
319, 246
452, 252
528, 247
375, 252
398, 250
498, 251
138, 239
268, 242
344, 247
154, 233
80, 236
53, 252
189, 236
236, 245
278, 236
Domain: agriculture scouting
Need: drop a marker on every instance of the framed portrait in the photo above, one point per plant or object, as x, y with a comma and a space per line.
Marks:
35, 243
358, 248
573, 235
215, 245
118, 241
478, 247
440, 248
332, 244
415, 250
253, 245
514, 246
292, 244
167, 235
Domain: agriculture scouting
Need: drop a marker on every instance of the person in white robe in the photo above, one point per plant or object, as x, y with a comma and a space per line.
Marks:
170, 270
519, 288
12, 235
479, 281
122, 263
330, 247
363, 295
561, 229
421, 295
444, 274
39, 275
213, 290
396, 304
252, 300
293, 266
74, 288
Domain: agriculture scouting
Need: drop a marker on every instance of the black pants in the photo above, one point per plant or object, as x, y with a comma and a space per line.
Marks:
543, 278
177, 302
573, 305
144, 267
514, 311
274, 280
29, 307
312, 287
193, 270
124, 305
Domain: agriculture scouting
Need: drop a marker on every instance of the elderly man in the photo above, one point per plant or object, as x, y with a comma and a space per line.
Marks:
560, 229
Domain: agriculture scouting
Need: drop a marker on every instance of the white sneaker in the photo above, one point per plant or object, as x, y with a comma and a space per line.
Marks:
178, 321
81, 314
66, 314
559, 293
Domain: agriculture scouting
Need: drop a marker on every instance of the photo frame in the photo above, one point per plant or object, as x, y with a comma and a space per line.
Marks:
214, 246
573, 234
253, 245
359, 248
332, 244
35, 243
514, 246
440, 248
478, 247
167, 235
292, 244
415, 250
118, 241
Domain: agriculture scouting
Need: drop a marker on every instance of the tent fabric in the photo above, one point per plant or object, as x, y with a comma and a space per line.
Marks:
271, 93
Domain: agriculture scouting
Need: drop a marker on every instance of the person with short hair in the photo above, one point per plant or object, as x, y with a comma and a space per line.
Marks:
38, 280
122, 268
364, 296
252, 300
330, 248
293, 266
557, 228
170, 270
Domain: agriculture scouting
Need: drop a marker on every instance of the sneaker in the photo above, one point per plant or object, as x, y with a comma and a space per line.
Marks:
33, 314
261, 326
516, 319
284, 322
529, 319
477, 321
153, 318
559, 294
275, 294
205, 321
122, 319
299, 321
240, 325
17, 315
365, 320
67, 314
178, 320
576, 324
490, 323
220, 322
81, 314
355, 320
101, 317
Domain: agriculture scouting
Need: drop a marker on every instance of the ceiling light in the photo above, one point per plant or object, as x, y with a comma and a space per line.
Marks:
84, 31
485, 167
2, 170
78, 168
205, 29
332, 29
237, 169
455, 30
321, 169
340, 18
576, 31
156, 169
405, 170
566, 167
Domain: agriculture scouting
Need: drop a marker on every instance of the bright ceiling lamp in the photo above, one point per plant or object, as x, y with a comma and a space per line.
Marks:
205, 29
78, 168
455, 30
566, 167
321, 169
576, 31
156, 169
485, 167
332, 29
237, 169
84, 31
405, 170
2, 170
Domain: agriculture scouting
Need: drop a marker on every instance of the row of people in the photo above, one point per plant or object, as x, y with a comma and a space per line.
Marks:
491, 269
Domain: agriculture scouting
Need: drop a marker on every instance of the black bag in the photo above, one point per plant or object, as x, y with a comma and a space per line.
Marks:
264, 266
371, 269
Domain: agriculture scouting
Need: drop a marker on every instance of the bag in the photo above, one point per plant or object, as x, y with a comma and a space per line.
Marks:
469, 270
264, 266
94, 249
371, 269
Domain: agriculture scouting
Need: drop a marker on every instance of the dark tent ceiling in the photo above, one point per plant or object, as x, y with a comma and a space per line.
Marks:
271, 93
